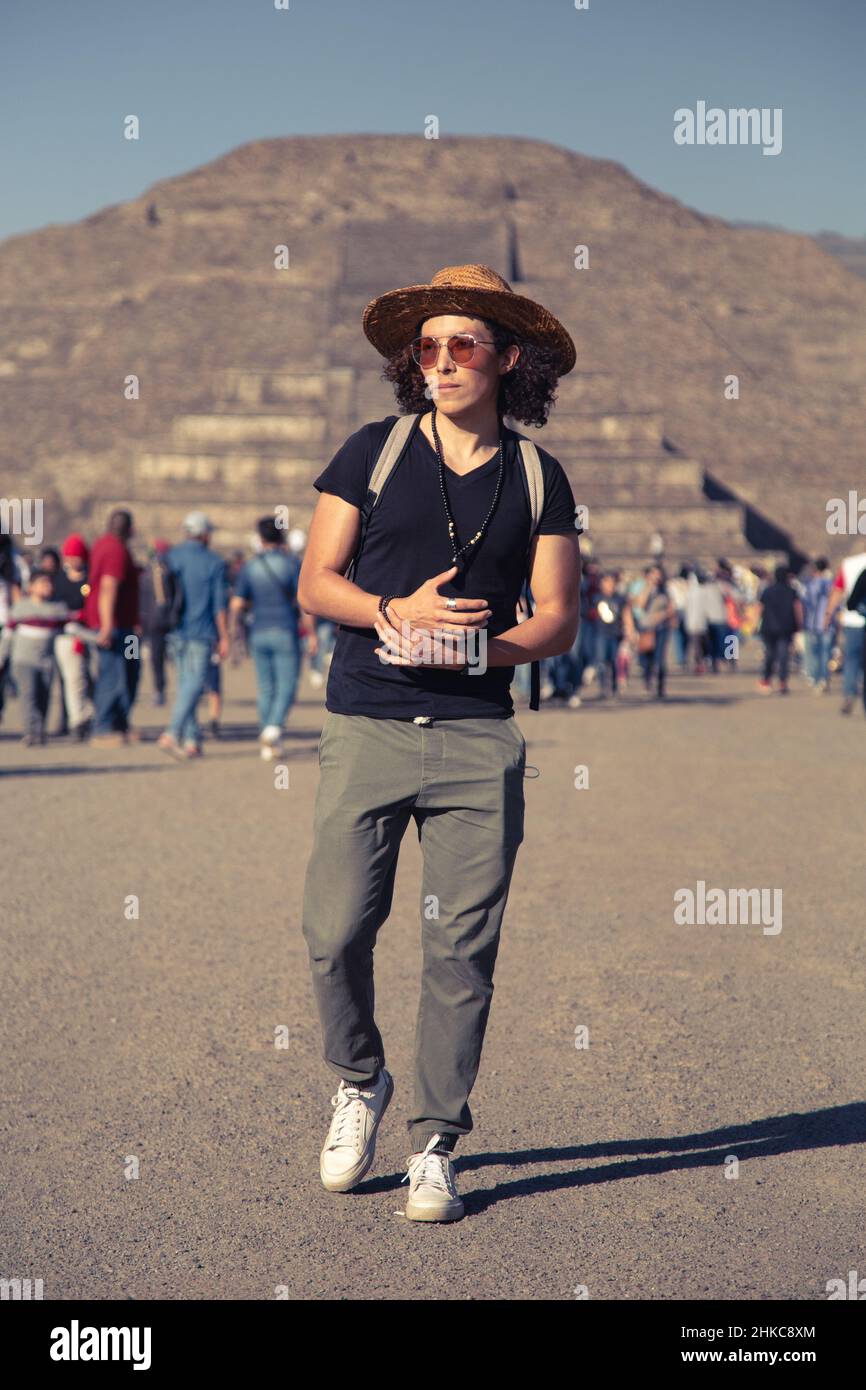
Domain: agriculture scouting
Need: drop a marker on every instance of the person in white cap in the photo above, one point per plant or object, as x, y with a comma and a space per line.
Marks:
201, 576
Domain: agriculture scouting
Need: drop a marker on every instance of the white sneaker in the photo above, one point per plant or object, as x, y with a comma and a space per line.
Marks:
317, 680
546, 690
433, 1194
351, 1143
270, 742
574, 702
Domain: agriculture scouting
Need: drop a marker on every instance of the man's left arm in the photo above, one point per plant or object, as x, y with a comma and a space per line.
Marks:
554, 578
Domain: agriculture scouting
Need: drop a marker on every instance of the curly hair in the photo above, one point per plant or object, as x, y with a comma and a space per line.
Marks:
526, 393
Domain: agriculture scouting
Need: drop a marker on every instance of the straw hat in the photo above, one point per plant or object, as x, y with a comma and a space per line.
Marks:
390, 320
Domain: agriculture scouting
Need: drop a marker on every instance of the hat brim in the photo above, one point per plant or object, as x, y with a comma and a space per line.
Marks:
389, 320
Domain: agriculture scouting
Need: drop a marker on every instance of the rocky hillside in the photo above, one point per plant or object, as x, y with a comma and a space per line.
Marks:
179, 286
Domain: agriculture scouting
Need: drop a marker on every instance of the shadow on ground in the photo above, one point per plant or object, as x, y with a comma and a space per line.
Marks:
778, 1134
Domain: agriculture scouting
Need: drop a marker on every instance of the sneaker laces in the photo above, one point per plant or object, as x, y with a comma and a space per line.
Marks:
350, 1106
432, 1168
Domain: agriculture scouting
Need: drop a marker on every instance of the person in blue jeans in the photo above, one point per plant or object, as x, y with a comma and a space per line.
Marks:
111, 610
818, 639
614, 619
269, 584
321, 648
655, 613
202, 579
563, 675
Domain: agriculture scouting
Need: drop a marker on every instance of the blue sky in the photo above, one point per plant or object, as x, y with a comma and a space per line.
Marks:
205, 76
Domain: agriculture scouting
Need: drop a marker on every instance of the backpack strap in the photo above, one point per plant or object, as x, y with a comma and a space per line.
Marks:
389, 456
533, 479
285, 589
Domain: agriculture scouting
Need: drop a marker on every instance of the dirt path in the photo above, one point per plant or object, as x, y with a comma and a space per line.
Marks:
605, 1166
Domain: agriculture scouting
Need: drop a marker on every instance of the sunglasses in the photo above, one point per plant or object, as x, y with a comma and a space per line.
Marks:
461, 349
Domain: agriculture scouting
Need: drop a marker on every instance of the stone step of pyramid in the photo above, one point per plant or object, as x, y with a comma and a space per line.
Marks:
304, 390
230, 430
712, 519
601, 391
234, 522
604, 428
635, 561
229, 474
601, 493
655, 471
257, 388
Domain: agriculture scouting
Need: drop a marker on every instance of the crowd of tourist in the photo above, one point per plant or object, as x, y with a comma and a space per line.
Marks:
80, 616
700, 619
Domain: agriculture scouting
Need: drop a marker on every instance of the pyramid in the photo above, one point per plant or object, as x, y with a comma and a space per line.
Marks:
249, 377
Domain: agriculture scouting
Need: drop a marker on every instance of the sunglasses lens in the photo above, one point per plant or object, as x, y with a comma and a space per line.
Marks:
426, 351
461, 348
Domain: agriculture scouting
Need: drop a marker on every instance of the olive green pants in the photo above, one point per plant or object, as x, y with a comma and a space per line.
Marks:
461, 780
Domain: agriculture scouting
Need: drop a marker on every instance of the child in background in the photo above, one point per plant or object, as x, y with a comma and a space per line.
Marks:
28, 641
70, 652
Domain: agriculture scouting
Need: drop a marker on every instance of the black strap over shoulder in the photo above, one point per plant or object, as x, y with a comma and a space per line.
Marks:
275, 580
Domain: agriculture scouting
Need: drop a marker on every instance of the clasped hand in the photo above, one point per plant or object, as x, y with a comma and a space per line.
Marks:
424, 632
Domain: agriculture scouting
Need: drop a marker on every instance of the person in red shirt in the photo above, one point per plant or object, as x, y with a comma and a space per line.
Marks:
112, 610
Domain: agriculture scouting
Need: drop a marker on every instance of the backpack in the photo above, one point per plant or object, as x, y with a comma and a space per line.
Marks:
390, 454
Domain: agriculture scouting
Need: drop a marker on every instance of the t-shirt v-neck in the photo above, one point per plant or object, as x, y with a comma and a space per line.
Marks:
481, 470
407, 542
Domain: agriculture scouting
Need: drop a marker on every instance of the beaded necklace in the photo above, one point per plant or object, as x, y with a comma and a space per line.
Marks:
457, 557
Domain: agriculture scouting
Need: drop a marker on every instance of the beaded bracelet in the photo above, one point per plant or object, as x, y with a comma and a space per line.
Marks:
383, 604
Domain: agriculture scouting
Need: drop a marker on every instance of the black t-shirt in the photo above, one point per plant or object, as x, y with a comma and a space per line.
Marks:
609, 610
778, 618
72, 592
407, 542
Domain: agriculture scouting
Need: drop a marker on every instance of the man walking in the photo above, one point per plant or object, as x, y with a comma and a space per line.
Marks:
413, 731
202, 578
269, 583
816, 594
781, 617
111, 608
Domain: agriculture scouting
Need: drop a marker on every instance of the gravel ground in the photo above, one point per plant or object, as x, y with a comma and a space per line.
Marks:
151, 1041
